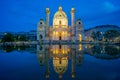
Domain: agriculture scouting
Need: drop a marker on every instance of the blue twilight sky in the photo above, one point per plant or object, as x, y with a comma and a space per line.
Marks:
23, 15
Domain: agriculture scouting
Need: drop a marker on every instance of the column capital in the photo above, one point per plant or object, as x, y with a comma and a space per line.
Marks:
72, 10
47, 11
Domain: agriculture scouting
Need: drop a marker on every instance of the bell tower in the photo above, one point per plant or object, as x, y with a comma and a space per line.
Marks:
41, 30
79, 30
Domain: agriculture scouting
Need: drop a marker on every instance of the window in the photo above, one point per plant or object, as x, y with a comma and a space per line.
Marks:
40, 22
79, 22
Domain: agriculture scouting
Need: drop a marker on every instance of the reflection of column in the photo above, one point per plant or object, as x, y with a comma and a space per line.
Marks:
73, 60
47, 64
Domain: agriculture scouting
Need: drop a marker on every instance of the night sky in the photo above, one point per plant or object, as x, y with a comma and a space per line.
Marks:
23, 15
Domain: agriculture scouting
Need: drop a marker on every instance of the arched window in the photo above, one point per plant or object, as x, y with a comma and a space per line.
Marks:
40, 22
79, 22
59, 22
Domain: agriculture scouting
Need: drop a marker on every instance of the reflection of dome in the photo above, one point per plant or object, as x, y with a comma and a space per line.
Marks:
60, 65
60, 69
60, 17
60, 75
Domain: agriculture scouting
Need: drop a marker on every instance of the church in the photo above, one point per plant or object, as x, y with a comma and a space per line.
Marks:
60, 30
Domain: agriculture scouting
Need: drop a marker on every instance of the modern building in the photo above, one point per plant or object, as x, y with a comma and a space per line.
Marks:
1, 35
31, 35
60, 30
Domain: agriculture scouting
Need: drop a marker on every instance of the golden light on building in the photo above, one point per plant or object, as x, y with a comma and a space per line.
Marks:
60, 30
80, 47
41, 28
60, 65
57, 49
56, 33
80, 37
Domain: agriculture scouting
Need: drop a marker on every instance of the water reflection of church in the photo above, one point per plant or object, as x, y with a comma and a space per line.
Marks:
60, 54
60, 29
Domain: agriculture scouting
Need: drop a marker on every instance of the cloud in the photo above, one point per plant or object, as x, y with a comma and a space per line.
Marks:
109, 7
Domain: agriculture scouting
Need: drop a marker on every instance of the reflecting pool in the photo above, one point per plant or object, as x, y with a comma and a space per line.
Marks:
65, 62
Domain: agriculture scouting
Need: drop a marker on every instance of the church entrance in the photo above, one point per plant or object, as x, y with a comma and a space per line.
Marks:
59, 37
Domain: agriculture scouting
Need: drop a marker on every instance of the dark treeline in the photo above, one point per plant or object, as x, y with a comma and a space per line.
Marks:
8, 37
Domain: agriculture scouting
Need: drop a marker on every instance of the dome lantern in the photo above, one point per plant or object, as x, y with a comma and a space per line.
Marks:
60, 8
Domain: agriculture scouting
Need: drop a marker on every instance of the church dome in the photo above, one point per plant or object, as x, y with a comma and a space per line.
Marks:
60, 18
60, 14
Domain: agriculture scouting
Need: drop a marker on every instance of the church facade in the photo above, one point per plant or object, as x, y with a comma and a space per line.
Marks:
60, 30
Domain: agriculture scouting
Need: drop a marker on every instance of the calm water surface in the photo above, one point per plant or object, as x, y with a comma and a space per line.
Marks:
65, 62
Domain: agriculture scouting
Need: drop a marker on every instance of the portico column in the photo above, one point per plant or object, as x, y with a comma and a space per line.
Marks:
47, 22
72, 21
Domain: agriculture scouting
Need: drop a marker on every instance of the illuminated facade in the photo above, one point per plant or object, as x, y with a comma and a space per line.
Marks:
60, 31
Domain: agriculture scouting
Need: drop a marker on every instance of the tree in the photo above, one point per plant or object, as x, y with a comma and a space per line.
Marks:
93, 35
22, 38
99, 35
96, 35
8, 37
111, 34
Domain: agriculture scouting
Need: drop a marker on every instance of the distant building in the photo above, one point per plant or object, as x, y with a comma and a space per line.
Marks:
1, 35
32, 35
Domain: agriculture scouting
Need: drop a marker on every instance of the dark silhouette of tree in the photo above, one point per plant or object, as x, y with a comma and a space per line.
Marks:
8, 48
111, 34
8, 37
93, 35
99, 35
96, 35
22, 38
